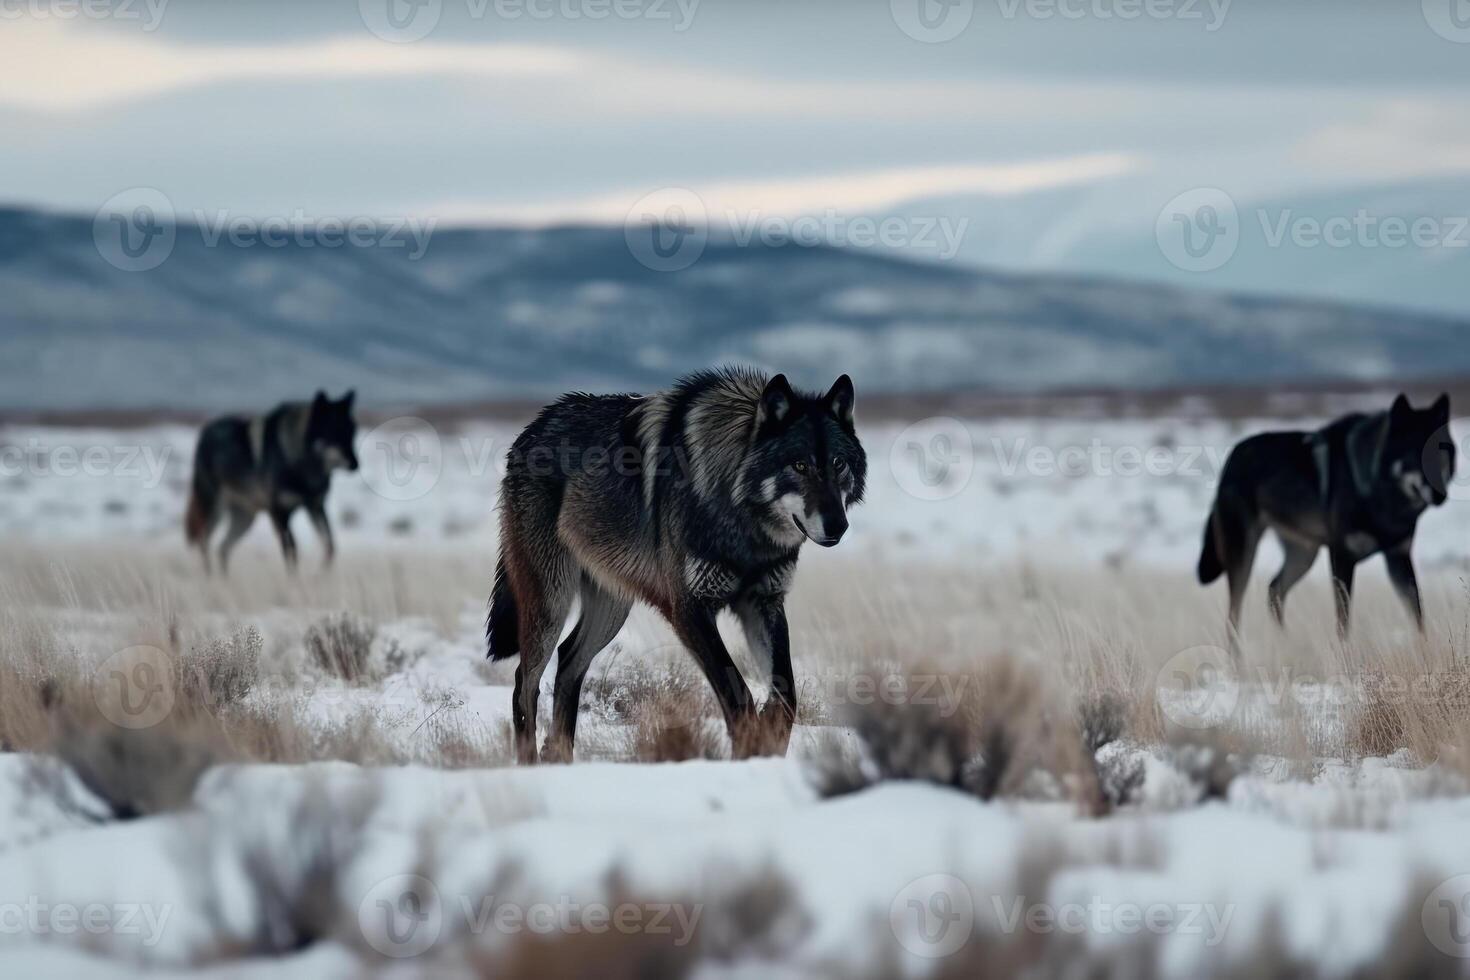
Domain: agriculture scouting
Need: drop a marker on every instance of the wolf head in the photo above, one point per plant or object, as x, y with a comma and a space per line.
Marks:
1405, 452
331, 431
806, 466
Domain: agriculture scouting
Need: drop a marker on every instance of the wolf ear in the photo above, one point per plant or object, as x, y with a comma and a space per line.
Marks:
840, 400
1441, 408
347, 398
320, 402
1401, 408
776, 401
1366, 442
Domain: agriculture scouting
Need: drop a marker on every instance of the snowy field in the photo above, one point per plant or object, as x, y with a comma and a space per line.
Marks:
1020, 748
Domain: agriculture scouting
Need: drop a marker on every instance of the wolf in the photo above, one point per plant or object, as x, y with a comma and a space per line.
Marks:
275, 463
1357, 486
694, 500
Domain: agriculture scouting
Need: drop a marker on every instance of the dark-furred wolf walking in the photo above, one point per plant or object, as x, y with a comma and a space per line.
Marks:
693, 500
1357, 486
273, 463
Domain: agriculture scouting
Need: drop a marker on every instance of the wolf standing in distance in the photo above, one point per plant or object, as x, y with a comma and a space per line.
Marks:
693, 500
1357, 486
275, 463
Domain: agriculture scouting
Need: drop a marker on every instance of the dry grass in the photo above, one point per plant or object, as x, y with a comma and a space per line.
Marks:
1077, 638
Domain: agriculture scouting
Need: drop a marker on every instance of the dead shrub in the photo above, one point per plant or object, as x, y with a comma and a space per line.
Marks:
1001, 733
341, 646
224, 670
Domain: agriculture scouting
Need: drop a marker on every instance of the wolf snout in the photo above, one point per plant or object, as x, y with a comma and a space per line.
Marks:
833, 528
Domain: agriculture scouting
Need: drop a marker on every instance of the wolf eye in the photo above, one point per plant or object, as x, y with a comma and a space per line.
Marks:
839, 464
799, 466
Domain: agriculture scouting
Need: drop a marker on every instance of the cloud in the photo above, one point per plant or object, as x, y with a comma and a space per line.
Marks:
847, 193
56, 66
1393, 139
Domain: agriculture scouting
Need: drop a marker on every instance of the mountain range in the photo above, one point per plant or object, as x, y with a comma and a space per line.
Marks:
490, 313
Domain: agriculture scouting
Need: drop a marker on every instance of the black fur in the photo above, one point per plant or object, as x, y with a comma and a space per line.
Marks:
276, 463
675, 500
1357, 487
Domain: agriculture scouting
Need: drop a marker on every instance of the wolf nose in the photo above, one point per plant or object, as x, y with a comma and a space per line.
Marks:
835, 528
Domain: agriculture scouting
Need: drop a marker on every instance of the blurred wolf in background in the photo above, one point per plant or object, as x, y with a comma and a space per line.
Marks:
1357, 486
275, 463
693, 500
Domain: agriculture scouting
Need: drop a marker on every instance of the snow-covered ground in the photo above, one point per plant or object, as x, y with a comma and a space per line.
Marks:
1066, 545
981, 491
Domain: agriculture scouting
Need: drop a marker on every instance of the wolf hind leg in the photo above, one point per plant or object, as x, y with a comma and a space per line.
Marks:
240, 521
544, 593
1299, 560
1238, 533
603, 615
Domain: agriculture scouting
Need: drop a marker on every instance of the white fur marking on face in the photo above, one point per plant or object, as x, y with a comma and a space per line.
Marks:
768, 489
1416, 488
333, 458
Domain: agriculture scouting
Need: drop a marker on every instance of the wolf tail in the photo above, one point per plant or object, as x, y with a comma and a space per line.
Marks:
502, 629
196, 519
1209, 557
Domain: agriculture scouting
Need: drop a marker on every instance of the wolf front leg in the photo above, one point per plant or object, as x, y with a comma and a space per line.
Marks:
694, 623
1405, 583
281, 521
763, 618
317, 508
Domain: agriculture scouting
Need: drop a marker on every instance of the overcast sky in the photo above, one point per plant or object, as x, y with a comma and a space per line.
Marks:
539, 110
